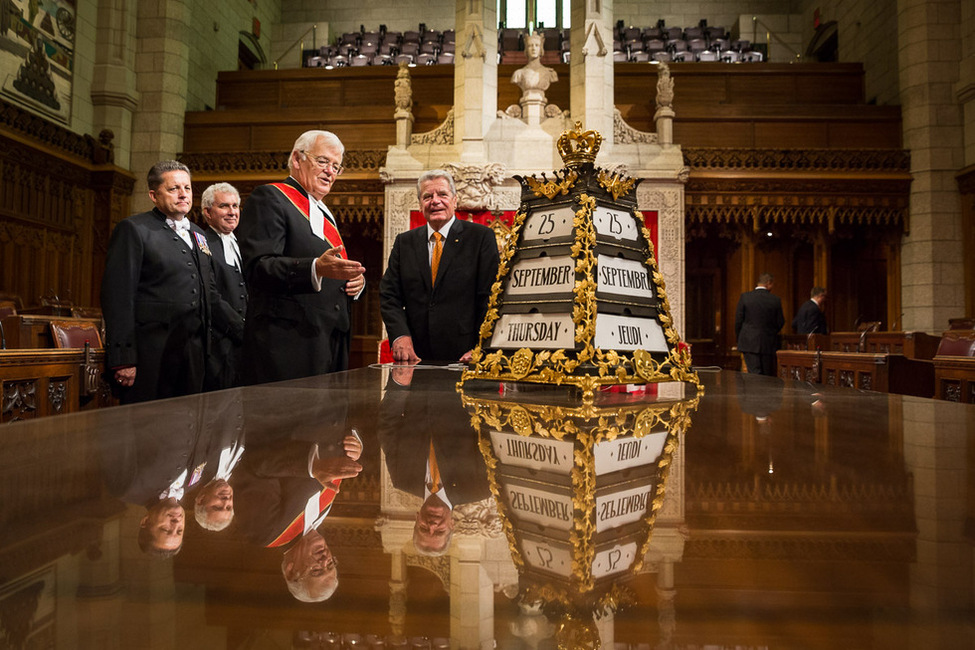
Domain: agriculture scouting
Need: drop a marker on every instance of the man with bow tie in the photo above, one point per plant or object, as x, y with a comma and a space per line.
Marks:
299, 279
159, 297
221, 211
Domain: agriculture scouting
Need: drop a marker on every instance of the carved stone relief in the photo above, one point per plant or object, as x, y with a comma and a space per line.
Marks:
476, 184
668, 200
400, 200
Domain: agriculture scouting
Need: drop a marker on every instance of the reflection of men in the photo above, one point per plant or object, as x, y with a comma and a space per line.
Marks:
221, 418
438, 318
154, 467
158, 294
284, 490
161, 529
299, 280
758, 319
214, 505
810, 318
757, 396
431, 452
309, 569
221, 210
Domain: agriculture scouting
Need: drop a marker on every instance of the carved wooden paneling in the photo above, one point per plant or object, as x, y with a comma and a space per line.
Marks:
58, 200
39, 383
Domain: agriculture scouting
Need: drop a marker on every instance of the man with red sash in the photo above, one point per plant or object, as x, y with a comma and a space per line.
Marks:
299, 278
283, 491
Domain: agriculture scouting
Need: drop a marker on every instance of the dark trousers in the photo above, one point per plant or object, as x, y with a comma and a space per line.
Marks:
760, 364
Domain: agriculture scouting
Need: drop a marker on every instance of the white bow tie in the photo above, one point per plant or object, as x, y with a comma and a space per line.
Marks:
182, 224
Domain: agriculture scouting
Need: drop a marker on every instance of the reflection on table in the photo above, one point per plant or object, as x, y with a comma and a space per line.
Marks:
762, 513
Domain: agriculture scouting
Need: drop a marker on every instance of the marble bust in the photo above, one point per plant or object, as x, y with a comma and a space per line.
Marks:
534, 78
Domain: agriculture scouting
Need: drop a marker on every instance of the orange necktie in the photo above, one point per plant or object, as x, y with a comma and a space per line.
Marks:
435, 260
434, 485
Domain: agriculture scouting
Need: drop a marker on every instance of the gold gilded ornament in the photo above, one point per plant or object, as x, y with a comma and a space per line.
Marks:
578, 147
551, 189
615, 184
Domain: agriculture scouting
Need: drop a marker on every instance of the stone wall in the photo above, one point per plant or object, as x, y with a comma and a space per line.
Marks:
347, 16
215, 33
867, 33
685, 14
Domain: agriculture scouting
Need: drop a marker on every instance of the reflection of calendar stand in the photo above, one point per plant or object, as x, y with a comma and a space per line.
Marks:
579, 299
579, 488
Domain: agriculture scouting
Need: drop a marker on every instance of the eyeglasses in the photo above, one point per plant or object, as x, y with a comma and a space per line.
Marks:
324, 163
319, 569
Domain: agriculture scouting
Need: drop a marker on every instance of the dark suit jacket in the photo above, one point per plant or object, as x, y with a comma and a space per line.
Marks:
158, 298
758, 319
410, 416
291, 330
271, 483
810, 319
223, 362
442, 319
154, 451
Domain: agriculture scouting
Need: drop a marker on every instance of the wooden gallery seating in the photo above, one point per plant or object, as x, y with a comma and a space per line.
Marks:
888, 362
954, 367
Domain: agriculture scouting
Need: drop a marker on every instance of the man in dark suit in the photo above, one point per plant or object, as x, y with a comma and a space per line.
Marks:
758, 320
810, 318
221, 211
438, 318
299, 280
283, 491
159, 296
155, 465
431, 451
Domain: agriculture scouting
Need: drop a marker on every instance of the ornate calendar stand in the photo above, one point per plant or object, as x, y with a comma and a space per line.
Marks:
579, 299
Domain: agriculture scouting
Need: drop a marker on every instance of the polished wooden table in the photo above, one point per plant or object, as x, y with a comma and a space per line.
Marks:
761, 513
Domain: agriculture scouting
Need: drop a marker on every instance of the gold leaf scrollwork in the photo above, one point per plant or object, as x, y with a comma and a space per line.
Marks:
643, 364
521, 363
615, 184
551, 189
520, 421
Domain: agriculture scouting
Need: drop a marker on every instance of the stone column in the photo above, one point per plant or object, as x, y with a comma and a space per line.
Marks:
936, 447
113, 88
471, 595
965, 93
161, 64
475, 76
591, 69
932, 261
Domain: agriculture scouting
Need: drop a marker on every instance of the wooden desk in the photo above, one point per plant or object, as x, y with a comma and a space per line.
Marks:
954, 379
38, 383
884, 373
811, 342
33, 331
913, 345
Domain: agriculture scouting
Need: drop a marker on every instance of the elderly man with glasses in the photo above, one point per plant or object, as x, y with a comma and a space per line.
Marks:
299, 278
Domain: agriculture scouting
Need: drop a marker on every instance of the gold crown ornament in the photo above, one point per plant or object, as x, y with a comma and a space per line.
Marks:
578, 147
